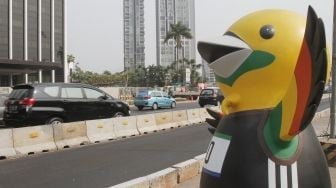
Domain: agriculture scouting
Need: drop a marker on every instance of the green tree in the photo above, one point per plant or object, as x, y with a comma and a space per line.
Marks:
106, 72
177, 32
155, 76
71, 58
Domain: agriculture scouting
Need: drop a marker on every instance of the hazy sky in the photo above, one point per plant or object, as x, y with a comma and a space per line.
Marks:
95, 27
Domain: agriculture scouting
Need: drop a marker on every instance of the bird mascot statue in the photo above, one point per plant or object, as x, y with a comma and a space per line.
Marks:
271, 66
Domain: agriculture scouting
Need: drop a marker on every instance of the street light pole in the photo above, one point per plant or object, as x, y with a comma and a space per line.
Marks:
333, 76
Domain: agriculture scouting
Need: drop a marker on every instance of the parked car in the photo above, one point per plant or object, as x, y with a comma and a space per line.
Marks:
3, 98
154, 100
54, 103
211, 96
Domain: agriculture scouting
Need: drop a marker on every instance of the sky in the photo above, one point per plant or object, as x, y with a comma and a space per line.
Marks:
95, 27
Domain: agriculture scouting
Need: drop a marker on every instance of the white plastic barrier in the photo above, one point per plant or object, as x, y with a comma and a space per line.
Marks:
165, 120
6, 144
180, 117
36, 139
125, 126
194, 116
146, 123
70, 134
100, 130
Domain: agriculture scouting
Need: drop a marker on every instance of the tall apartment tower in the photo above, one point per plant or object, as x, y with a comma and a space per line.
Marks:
134, 34
33, 43
171, 12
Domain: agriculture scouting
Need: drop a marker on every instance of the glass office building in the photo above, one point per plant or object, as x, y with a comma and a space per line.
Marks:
32, 41
174, 11
134, 34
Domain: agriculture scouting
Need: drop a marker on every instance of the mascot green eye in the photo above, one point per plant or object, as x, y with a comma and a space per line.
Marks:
267, 31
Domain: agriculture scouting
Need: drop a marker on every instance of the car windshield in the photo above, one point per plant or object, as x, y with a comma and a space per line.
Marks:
142, 94
20, 94
207, 92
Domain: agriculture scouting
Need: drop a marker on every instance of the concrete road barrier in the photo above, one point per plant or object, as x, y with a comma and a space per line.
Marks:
187, 170
36, 139
169, 177
142, 182
146, 123
180, 117
166, 178
164, 120
194, 116
204, 114
6, 143
200, 159
100, 130
125, 126
216, 108
70, 134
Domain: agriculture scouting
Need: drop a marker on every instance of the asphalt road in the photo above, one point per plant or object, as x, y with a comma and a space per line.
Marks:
102, 165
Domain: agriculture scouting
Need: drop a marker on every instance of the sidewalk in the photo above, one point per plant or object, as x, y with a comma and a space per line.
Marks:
321, 127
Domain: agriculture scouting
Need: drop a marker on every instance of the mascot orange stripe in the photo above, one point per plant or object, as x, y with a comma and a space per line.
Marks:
303, 75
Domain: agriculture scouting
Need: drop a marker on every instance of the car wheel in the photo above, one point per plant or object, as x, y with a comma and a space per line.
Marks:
119, 114
173, 105
55, 121
140, 108
155, 106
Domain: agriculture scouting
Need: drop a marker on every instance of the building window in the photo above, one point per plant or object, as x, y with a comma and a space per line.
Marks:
32, 30
46, 31
18, 29
4, 51
58, 33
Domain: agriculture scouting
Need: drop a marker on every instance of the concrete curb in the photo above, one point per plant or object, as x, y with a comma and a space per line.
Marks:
164, 178
187, 170
142, 182
168, 178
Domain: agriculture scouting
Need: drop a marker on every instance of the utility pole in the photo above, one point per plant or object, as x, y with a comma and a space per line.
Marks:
333, 76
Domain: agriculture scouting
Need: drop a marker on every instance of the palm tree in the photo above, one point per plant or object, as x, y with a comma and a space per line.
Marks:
176, 32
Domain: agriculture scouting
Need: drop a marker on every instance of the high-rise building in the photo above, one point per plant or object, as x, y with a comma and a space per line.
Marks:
171, 12
134, 34
32, 41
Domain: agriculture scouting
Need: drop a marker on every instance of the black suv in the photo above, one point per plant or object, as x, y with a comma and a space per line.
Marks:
53, 103
212, 96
